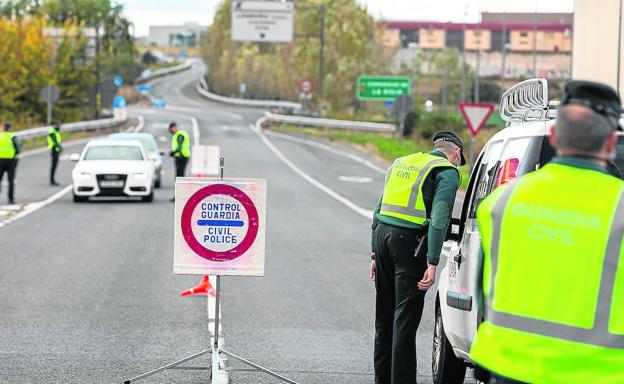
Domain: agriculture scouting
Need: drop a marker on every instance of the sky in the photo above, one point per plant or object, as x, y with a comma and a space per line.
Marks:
144, 13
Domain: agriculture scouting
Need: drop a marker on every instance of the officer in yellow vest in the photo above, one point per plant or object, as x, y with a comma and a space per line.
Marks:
9, 149
55, 147
180, 149
409, 227
552, 277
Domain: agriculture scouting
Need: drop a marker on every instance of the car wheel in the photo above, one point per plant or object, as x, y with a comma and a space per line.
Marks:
158, 181
149, 198
79, 199
446, 367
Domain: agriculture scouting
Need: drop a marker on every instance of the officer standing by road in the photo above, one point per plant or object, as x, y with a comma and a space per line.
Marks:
180, 148
552, 277
409, 227
54, 145
9, 149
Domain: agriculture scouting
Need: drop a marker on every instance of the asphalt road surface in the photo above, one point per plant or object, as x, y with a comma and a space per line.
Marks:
88, 294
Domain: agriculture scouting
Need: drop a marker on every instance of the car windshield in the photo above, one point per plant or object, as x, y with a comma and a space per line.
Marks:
148, 144
114, 152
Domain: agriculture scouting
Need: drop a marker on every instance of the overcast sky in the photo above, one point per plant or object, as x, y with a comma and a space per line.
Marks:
176, 12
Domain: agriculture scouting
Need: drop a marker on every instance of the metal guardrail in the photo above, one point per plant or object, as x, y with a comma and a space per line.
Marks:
92, 125
331, 123
163, 72
202, 89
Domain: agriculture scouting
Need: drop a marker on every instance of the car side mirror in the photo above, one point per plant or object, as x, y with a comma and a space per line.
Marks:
74, 157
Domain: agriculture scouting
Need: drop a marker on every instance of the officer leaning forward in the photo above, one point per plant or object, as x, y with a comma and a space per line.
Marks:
180, 149
409, 227
9, 149
552, 277
54, 145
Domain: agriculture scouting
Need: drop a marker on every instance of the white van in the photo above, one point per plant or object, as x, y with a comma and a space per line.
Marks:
520, 148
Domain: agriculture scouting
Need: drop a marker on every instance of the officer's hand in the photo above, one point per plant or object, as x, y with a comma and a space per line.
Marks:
373, 270
428, 278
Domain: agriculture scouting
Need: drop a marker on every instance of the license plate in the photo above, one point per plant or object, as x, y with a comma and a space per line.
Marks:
112, 183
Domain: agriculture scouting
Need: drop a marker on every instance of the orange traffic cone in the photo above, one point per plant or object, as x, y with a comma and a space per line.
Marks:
203, 288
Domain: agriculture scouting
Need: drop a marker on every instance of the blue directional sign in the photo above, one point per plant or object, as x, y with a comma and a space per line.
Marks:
159, 102
119, 102
389, 103
182, 53
144, 88
118, 81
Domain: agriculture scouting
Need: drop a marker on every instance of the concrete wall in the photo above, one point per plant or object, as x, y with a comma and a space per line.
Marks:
595, 42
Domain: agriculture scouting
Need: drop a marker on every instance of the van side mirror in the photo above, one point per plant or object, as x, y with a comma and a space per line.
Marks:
74, 157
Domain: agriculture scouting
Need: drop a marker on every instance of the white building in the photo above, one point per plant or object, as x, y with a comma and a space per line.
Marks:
187, 35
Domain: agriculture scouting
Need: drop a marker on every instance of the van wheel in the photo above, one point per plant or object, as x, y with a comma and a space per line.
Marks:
446, 367
148, 198
158, 182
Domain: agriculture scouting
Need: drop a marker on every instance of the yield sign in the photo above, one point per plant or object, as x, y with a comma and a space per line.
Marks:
476, 115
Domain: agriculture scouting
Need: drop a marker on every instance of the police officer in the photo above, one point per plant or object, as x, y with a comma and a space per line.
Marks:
409, 227
552, 277
180, 148
9, 149
54, 145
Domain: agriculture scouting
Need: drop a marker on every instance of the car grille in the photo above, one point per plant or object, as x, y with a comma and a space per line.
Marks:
112, 184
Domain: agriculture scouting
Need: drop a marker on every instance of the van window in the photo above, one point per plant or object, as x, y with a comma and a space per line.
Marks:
485, 176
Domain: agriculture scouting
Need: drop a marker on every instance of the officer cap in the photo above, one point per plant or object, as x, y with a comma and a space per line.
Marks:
601, 98
450, 136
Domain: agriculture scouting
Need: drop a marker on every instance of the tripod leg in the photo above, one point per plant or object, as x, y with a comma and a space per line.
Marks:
144, 375
259, 368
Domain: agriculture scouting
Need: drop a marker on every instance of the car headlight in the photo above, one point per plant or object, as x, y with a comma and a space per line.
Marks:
139, 175
84, 175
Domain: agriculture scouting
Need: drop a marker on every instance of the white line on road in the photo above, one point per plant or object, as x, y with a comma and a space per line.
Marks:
356, 179
257, 128
328, 148
33, 207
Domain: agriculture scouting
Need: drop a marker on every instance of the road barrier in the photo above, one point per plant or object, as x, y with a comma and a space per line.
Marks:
330, 123
92, 125
202, 89
163, 72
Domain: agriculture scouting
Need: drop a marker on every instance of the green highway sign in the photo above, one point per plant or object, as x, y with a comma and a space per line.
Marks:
382, 87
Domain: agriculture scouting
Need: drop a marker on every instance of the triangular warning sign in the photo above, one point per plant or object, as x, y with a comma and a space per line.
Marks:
476, 115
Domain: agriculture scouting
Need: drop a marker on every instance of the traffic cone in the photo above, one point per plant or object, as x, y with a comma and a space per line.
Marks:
203, 288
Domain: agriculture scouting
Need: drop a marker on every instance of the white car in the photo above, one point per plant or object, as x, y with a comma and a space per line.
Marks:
113, 168
520, 148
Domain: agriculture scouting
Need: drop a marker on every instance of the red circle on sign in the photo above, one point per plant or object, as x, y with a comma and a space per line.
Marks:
305, 86
187, 218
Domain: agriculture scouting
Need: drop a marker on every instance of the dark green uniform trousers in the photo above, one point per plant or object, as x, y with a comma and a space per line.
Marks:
399, 303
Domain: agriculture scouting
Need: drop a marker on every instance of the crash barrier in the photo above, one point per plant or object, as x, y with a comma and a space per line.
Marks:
329, 123
202, 89
163, 72
92, 125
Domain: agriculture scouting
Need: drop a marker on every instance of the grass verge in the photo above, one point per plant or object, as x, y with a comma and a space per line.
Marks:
382, 145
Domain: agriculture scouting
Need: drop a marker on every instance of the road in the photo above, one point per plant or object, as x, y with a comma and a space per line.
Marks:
89, 295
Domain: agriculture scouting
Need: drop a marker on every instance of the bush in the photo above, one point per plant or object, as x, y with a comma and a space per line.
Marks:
411, 120
440, 121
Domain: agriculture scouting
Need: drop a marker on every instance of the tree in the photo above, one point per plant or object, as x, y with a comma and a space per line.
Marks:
274, 70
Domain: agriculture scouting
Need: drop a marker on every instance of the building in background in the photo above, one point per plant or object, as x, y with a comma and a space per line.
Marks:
511, 45
176, 36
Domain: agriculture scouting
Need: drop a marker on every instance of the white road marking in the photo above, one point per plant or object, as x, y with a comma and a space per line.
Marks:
257, 128
328, 148
230, 128
33, 207
356, 179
